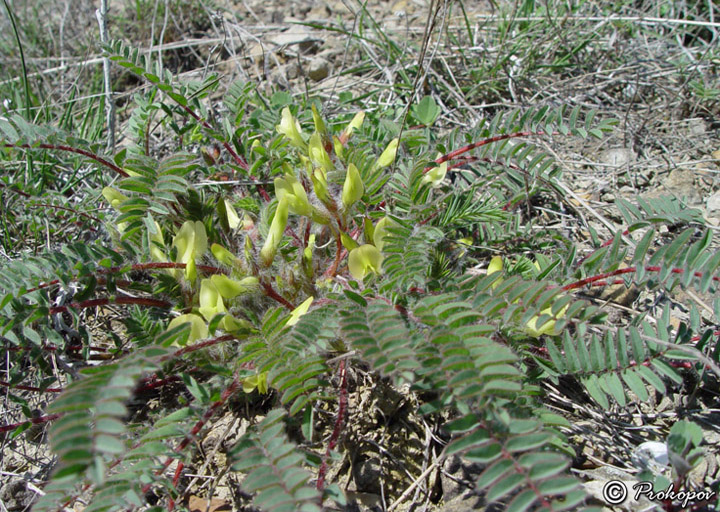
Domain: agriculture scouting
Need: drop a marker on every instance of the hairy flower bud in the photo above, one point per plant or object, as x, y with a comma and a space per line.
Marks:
223, 255
231, 215
318, 122
157, 244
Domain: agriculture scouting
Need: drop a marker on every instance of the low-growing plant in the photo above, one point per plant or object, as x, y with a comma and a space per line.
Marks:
271, 250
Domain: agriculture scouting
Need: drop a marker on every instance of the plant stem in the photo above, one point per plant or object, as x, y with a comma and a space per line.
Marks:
141, 301
270, 292
61, 147
34, 421
454, 154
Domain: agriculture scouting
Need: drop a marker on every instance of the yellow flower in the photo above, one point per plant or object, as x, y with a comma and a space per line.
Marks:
348, 242
232, 216
355, 124
339, 148
496, 265
191, 243
292, 190
300, 311
223, 255
308, 255
258, 381
353, 189
277, 228
114, 197
230, 288
290, 128
363, 260
317, 153
318, 122
531, 327
211, 302
548, 327
435, 175
381, 231
157, 244
388, 156
198, 329
319, 180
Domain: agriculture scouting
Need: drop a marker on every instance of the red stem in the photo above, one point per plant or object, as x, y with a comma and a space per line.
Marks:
105, 301
198, 346
62, 147
34, 421
620, 271
153, 382
270, 292
30, 388
338, 256
454, 154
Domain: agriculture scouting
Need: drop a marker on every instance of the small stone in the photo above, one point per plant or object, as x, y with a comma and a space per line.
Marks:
16, 496
319, 69
400, 6
696, 127
617, 157
457, 478
681, 184
256, 53
320, 12
291, 70
713, 202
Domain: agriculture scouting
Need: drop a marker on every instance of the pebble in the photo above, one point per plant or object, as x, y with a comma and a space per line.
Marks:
319, 69
713, 202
